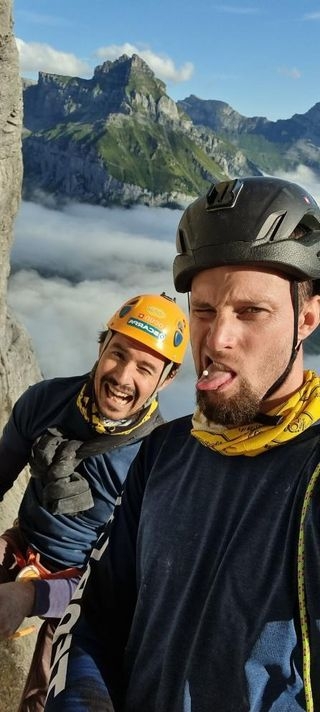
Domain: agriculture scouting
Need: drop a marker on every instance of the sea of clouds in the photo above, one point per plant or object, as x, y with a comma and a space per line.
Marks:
72, 268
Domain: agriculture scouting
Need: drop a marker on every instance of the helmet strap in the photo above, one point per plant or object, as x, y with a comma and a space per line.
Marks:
108, 338
295, 344
164, 375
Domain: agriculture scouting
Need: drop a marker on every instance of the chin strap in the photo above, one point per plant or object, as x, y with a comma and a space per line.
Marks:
295, 345
168, 368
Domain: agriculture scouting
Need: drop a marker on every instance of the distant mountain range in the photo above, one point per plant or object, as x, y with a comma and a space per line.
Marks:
269, 145
118, 138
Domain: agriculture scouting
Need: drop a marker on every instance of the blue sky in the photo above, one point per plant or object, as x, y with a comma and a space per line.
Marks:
260, 57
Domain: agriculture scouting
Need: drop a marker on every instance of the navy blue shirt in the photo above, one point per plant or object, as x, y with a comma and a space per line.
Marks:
190, 602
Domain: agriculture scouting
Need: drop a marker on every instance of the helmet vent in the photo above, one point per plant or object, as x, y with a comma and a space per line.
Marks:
223, 195
270, 228
181, 247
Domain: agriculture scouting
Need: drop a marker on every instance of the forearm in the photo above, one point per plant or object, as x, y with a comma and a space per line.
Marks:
52, 596
16, 601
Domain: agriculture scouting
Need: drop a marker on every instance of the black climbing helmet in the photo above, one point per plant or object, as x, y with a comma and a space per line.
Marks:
256, 220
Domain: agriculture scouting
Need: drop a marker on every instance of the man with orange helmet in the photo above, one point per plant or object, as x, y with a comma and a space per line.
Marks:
79, 435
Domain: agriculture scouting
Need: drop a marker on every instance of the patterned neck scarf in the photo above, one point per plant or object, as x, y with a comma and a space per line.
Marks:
89, 411
300, 411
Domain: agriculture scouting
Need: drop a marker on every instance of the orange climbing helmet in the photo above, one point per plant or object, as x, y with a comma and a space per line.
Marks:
157, 322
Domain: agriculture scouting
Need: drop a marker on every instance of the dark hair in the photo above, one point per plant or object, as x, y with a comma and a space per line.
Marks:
305, 291
102, 335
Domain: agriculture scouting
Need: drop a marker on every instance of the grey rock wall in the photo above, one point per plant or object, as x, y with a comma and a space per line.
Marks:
18, 367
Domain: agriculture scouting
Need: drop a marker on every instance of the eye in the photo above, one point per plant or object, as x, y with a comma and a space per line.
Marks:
202, 312
251, 310
145, 370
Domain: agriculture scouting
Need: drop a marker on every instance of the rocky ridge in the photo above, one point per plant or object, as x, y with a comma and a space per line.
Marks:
272, 145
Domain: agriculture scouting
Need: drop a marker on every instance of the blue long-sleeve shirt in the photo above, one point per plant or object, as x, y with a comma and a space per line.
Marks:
63, 540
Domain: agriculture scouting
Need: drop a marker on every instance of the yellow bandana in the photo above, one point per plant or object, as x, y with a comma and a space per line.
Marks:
298, 413
88, 409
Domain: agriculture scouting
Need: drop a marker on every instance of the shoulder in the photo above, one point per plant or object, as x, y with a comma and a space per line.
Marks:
61, 383
169, 443
42, 402
67, 386
173, 430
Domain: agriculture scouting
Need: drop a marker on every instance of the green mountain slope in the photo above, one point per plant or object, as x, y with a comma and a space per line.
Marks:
118, 138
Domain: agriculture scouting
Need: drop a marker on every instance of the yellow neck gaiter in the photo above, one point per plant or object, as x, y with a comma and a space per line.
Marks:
89, 411
298, 413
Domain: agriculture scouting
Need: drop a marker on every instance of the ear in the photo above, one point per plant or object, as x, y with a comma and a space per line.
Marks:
309, 317
169, 379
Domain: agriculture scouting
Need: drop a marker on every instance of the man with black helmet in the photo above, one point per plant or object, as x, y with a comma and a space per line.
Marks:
213, 604
79, 435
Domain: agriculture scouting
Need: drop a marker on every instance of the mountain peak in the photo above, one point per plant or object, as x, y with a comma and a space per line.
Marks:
133, 73
124, 62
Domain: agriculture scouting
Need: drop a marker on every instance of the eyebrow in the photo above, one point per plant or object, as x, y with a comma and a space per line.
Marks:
199, 303
254, 300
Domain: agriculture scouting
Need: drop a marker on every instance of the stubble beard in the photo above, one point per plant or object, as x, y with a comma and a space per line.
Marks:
235, 411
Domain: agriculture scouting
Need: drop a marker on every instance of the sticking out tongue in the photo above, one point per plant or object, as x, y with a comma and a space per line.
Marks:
211, 381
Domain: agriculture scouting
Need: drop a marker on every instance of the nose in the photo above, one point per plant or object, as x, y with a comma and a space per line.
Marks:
222, 333
124, 372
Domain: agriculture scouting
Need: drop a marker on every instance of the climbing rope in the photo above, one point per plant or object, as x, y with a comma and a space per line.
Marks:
302, 594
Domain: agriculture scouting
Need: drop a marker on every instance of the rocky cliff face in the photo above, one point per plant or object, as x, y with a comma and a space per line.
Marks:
17, 362
18, 367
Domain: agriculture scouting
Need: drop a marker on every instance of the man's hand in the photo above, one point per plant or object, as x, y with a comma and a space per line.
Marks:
16, 602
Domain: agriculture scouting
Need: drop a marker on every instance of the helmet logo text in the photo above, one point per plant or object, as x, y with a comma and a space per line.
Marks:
143, 326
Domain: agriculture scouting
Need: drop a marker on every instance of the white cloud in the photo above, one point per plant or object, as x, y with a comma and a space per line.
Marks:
312, 16
38, 57
162, 66
96, 242
115, 254
305, 177
292, 72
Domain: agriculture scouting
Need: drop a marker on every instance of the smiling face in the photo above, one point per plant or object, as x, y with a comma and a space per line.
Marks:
241, 326
126, 375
